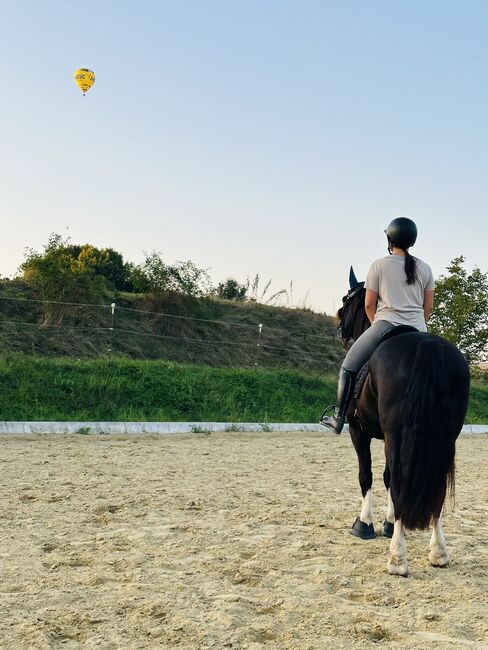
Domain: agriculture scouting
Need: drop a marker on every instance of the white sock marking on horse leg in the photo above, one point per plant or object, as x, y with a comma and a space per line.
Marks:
366, 515
438, 555
390, 510
397, 564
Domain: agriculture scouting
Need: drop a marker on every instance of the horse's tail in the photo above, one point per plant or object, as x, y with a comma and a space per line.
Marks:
425, 463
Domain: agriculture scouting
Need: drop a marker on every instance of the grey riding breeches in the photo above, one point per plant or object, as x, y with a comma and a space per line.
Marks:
361, 350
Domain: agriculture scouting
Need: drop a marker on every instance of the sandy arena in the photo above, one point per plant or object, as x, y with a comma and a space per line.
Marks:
225, 541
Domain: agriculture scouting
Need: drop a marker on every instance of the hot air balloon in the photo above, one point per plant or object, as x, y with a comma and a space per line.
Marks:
84, 79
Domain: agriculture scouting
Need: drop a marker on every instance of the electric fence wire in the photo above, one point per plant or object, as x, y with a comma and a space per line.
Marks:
52, 326
266, 348
166, 315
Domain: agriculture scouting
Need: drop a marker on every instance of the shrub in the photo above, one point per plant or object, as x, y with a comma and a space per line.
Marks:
56, 275
231, 290
157, 278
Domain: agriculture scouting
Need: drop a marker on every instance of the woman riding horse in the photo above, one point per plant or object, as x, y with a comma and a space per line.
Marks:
414, 396
399, 291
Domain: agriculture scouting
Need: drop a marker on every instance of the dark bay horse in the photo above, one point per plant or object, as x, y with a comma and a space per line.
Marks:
415, 398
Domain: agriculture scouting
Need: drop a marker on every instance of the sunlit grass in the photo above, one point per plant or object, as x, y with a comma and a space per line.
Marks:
40, 388
35, 388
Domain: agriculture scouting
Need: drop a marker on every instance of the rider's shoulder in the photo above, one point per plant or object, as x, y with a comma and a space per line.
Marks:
422, 263
375, 266
378, 264
381, 261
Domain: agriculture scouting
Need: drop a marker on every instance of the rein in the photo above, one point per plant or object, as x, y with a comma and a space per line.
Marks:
346, 303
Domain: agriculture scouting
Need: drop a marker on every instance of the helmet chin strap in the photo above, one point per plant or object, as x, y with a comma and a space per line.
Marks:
390, 247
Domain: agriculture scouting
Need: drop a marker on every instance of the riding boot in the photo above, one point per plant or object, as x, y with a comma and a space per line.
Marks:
344, 394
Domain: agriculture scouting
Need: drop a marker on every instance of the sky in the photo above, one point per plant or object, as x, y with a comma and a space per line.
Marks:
256, 136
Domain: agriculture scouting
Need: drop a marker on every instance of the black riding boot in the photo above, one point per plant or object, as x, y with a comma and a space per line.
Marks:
344, 394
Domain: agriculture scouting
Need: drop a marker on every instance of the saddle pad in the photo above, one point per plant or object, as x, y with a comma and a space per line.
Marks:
395, 331
360, 379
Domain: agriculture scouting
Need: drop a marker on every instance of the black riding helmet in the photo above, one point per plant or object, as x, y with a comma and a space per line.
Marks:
402, 233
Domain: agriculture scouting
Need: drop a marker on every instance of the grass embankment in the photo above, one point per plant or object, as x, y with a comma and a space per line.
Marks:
36, 388
127, 390
204, 331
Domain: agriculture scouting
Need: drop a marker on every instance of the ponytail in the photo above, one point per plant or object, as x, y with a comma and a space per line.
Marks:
410, 268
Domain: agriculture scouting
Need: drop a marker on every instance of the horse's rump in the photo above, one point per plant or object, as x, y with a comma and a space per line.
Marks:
422, 385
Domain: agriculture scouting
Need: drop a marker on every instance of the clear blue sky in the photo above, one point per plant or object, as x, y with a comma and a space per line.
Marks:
250, 136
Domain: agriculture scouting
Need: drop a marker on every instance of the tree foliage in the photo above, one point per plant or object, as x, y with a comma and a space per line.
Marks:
103, 262
230, 289
81, 273
154, 276
57, 274
65, 269
461, 309
74, 273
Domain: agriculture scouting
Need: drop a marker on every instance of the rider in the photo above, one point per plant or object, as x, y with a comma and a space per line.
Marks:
399, 291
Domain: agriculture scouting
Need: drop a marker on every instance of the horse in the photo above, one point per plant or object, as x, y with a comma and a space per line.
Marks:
415, 399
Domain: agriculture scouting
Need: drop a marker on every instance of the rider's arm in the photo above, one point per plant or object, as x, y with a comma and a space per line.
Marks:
370, 303
428, 304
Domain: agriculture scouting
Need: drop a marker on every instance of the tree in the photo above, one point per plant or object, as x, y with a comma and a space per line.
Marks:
188, 279
56, 274
231, 290
105, 262
65, 269
461, 309
66, 272
156, 277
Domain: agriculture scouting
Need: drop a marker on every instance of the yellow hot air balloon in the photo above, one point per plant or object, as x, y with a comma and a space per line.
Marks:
84, 79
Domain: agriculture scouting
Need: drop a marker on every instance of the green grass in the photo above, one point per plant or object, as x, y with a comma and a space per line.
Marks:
40, 388
478, 404
128, 390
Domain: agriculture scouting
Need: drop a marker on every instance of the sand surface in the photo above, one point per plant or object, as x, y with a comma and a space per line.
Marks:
225, 541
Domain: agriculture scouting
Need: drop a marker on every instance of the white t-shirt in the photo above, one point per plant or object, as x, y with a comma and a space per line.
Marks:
398, 302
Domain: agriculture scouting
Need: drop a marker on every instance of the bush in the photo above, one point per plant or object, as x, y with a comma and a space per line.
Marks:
157, 278
57, 275
231, 290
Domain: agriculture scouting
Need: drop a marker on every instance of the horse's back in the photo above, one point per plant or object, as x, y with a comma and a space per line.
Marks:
398, 355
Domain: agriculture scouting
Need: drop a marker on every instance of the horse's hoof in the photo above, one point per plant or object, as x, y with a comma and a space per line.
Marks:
439, 560
362, 530
398, 568
388, 529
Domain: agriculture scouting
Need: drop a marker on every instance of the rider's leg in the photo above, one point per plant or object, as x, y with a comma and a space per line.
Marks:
344, 393
358, 354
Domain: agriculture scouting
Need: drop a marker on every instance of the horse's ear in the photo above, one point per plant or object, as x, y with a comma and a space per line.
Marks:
353, 281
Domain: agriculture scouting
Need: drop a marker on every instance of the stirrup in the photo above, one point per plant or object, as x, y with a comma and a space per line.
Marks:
332, 424
331, 407
328, 425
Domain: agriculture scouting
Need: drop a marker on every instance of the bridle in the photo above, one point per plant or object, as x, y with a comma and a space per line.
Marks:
346, 303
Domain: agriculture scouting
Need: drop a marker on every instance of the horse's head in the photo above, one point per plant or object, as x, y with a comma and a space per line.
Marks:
352, 315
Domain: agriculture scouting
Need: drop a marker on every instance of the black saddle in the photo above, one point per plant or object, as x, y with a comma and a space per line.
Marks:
364, 371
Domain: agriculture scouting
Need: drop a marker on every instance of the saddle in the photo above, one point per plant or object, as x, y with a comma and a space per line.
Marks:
364, 371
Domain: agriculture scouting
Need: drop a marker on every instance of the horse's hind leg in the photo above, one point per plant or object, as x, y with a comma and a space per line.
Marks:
389, 522
438, 555
363, 526
397, 563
